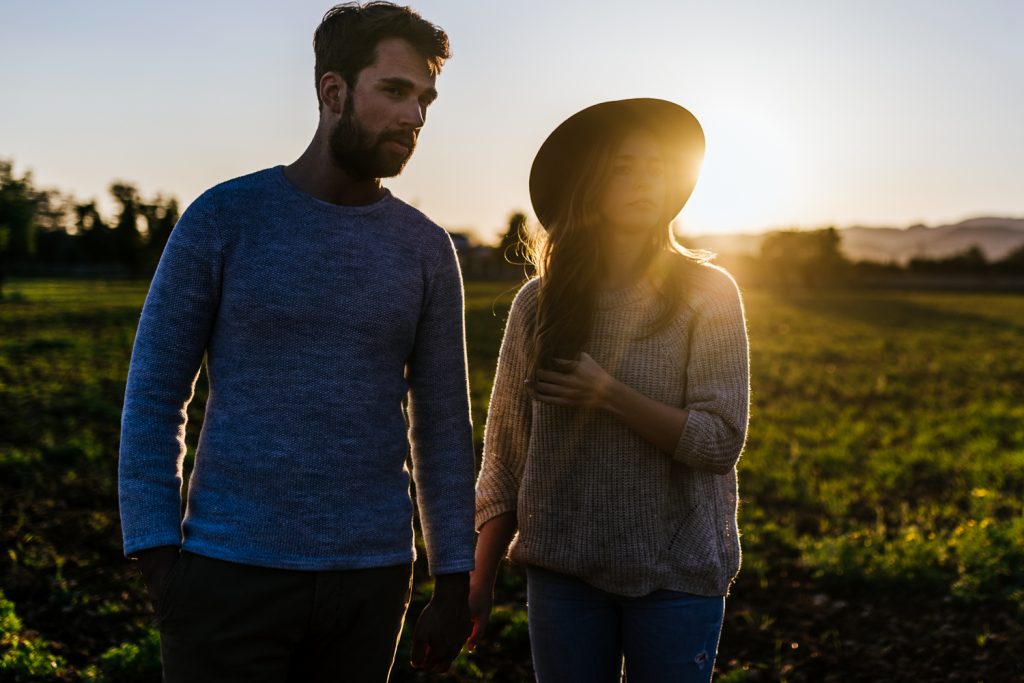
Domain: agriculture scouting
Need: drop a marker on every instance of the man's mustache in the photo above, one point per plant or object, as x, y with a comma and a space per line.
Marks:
407, 139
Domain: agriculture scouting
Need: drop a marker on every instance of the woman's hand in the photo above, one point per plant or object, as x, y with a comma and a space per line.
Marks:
481, 602
586, 384
581, 383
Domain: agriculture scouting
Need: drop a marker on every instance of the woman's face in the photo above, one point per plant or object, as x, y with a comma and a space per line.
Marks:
633, 198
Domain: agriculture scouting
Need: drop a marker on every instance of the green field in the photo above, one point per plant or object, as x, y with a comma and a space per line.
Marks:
881, 489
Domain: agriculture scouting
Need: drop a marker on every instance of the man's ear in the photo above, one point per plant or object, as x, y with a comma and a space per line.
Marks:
333, 91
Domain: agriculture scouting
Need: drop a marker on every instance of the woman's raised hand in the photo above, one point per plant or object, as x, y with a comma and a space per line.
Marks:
581, 383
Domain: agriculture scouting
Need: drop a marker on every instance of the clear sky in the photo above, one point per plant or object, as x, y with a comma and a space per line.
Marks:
879, 113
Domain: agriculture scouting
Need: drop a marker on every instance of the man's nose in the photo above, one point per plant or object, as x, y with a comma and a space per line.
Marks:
413, 115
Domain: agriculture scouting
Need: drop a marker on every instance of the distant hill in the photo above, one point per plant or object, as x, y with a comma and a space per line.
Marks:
996, 237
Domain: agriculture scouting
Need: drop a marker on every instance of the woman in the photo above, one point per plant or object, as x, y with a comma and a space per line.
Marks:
618, 412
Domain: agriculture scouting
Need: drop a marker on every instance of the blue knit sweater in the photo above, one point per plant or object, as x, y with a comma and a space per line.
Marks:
316, 321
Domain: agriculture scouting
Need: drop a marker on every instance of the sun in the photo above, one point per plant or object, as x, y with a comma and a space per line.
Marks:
749, 177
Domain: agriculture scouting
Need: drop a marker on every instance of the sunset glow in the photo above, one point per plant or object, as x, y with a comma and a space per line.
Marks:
814, 114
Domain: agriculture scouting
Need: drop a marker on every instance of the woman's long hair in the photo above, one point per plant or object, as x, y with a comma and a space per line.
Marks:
569, 259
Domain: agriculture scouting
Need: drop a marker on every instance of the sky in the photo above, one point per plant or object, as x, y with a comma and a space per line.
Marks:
815, 113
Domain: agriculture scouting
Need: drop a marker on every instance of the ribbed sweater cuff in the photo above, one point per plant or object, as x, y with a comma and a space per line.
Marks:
693, 440
452, 566
491, 509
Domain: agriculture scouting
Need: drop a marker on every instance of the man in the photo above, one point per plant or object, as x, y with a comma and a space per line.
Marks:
321, 302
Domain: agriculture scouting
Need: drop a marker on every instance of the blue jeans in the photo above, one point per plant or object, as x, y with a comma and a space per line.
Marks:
581, 633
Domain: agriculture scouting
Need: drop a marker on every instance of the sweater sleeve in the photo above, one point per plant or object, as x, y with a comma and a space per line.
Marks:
718, 381
167, 354
440, 421
509, 414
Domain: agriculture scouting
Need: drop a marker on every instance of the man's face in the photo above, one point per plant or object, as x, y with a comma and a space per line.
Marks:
382, 115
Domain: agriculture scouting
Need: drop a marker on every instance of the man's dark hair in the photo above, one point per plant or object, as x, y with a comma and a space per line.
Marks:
346, 39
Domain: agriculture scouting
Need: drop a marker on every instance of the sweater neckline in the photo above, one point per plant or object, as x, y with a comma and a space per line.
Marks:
330, 207
621, 296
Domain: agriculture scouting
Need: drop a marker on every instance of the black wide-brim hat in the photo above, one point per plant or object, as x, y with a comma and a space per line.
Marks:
556, 163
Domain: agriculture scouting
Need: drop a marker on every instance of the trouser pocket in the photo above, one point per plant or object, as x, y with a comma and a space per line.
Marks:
168, 592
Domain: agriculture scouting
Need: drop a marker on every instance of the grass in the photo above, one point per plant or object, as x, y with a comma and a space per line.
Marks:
885, 459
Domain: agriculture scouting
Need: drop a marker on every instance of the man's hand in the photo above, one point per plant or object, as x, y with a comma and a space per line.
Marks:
154, 564
443, 625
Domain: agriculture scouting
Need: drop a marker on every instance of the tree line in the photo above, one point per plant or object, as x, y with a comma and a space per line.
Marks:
47, 231
814, 258
45, 227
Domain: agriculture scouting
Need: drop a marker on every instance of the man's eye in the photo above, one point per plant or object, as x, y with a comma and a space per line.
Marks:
620, 169
393, 90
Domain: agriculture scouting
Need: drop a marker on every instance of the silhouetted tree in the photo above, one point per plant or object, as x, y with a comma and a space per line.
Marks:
803, 257
127, 240
17, 212
53, 241
96, 239
1012, 263
160, 215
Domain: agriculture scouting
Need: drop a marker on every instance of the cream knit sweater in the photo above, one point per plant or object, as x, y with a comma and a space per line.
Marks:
593, 498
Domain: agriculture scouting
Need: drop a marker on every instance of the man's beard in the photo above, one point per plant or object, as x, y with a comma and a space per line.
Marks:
356, 151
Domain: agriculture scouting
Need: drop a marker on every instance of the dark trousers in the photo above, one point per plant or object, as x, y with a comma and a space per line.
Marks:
226, 621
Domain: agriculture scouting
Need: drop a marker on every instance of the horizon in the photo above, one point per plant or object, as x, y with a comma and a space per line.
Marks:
108, 210
862, 226
814, 116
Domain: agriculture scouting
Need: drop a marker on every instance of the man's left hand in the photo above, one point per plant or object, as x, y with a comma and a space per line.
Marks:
443, 626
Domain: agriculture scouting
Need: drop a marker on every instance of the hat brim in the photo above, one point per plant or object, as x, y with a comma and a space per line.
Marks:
555, 164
